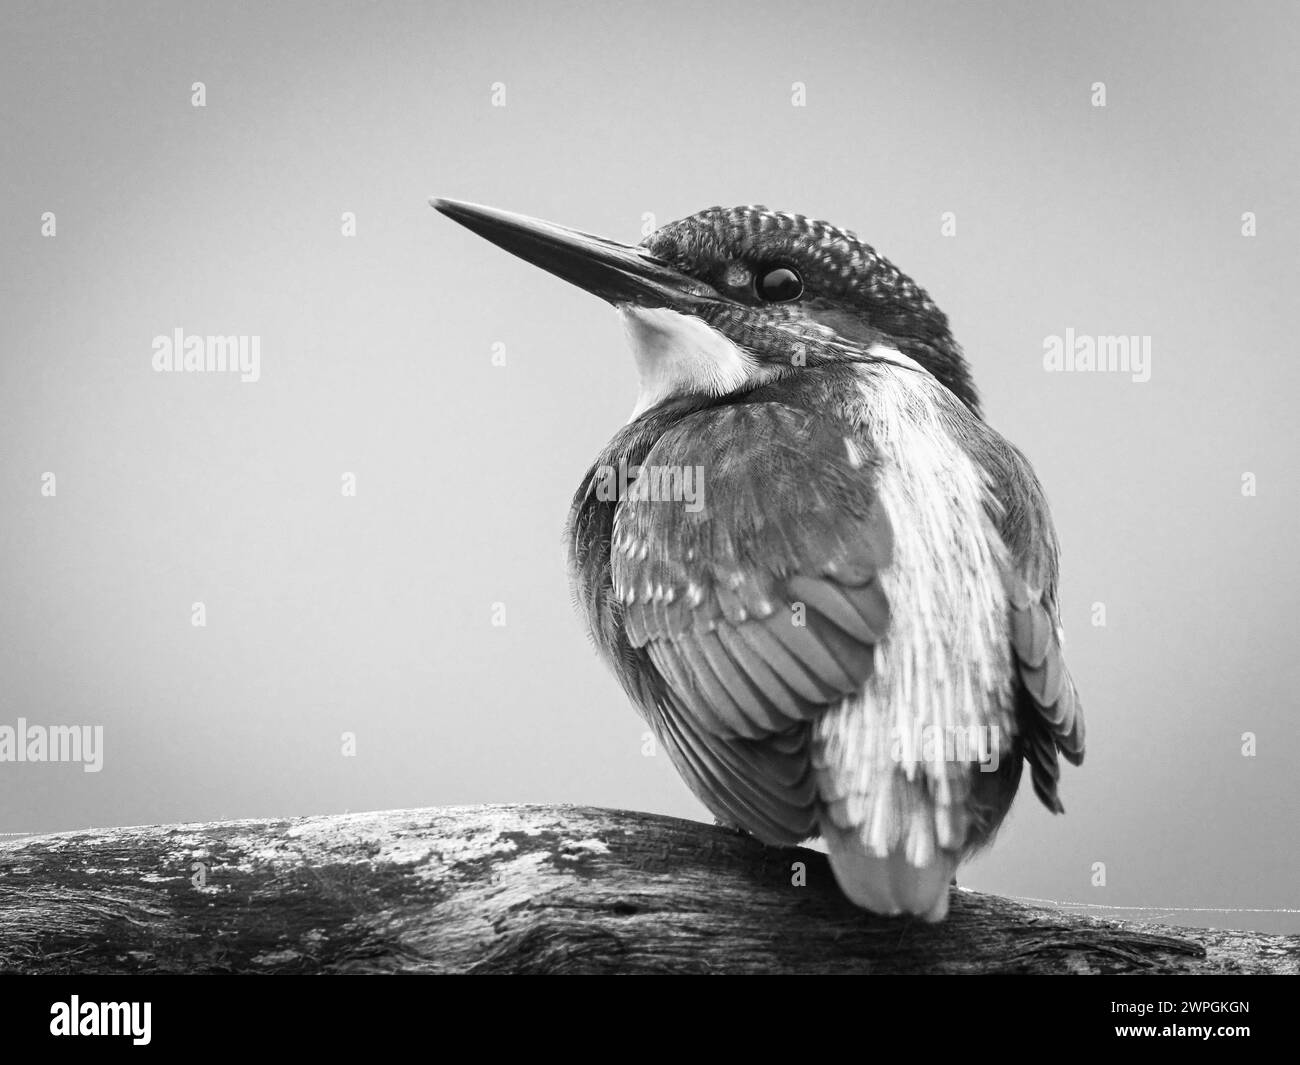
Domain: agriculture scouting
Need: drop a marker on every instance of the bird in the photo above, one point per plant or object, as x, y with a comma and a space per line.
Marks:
852, 633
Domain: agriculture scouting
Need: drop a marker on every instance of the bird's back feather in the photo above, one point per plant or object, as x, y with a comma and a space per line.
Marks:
844, 600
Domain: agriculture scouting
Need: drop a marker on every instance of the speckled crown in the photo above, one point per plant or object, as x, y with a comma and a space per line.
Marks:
835, 264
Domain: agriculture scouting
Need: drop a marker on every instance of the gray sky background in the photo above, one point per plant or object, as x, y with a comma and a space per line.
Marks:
372, 614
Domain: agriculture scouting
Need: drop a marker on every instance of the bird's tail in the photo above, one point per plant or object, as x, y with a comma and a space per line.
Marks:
890, 884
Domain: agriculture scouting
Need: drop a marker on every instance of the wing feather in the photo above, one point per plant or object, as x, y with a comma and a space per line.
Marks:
759, 609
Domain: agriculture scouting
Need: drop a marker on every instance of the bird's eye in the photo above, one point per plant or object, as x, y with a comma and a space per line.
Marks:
779, 284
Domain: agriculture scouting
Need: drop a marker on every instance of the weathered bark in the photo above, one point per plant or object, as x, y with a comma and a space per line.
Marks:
535, 889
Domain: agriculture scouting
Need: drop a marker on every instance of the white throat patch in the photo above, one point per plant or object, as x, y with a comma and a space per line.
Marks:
679, 354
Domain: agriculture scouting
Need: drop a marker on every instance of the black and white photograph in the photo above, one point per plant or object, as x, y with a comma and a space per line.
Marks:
587, 488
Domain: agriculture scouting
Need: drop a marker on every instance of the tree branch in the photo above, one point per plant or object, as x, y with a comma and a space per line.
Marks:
538, 889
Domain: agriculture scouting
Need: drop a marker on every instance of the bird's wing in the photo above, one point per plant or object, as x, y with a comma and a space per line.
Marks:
759, 604
1050, 714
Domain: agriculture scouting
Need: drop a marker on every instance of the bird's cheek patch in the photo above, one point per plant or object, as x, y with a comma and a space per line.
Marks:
844, 324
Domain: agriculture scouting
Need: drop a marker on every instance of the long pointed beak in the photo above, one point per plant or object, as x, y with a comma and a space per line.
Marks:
615, 272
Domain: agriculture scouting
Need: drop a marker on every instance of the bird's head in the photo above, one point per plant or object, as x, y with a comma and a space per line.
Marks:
731, 298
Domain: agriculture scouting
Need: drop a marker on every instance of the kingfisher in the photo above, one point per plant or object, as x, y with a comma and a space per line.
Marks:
850, 630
